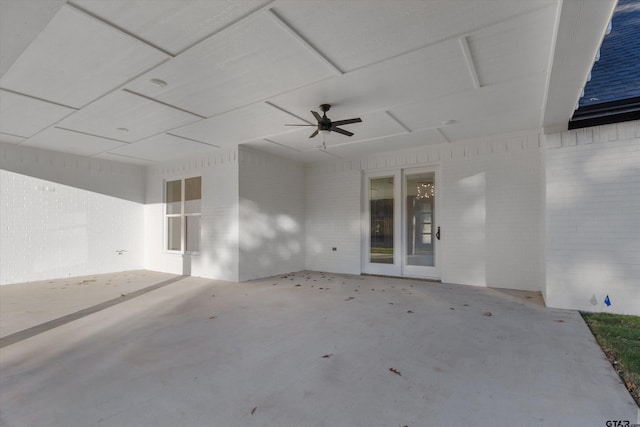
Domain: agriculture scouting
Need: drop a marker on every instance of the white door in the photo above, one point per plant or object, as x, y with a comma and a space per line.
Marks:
401, 232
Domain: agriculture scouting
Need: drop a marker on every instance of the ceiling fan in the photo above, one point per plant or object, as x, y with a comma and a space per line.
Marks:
325, 125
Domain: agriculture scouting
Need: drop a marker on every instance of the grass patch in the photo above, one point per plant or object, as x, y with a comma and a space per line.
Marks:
619, 337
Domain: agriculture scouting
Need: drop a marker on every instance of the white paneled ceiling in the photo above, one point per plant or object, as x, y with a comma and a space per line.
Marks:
241, 125
248, 62
161, 148
56, 139
76, 59
353, 35
184, 77
25, 116
126, 117
20, 23
172, 26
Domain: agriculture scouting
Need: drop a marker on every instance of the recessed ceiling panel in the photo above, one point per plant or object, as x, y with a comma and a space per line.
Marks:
353, 34
512, 121
375, 125
171, 25
398, 142
250, 61
76, 59
308, 156
20, 23
244, 124
522, 94
126, 117
434, 71
55, 139
161, 148
24, 116
513, 48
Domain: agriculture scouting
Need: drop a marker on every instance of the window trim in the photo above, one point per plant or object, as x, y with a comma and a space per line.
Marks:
183, 218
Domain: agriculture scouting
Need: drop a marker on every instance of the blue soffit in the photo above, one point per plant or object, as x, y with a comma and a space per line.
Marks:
612, 94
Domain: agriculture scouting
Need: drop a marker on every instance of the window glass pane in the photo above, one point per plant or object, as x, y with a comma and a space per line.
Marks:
173, 196
192, 188
192, 224
173, 233
192, 195
381, 202
192, 206
420, 209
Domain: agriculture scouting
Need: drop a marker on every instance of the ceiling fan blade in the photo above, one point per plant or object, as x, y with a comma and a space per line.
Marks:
300, 125
346, 122
342, 131
316, 115
314, 133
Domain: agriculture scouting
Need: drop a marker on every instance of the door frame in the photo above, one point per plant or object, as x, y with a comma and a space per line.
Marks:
399, 267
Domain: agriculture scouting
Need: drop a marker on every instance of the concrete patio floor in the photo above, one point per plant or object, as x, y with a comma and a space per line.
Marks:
303, 349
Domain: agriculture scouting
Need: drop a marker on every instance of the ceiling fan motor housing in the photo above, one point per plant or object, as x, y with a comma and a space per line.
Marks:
324, 123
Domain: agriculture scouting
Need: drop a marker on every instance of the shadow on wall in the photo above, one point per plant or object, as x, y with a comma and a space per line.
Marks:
269, 243
464, 230
593, 237
246, 243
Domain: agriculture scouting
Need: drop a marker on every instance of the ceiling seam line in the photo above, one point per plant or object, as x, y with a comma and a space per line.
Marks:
375, 138
163, 103
39, 99
443, 134
302, 41
14, 135
271, 104
275, 95
90, 134
282, 145
117, 28
394, 118
468, 58
230, 25
193, 140
450, 37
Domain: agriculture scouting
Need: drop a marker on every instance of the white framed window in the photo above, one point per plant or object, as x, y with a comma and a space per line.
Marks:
183, 208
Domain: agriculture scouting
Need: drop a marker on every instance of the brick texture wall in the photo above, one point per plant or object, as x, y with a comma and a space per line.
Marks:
491, 210
219, 223
593, 218
271, 226
53, 229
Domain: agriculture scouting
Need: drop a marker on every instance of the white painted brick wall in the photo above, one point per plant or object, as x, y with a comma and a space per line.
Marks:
491, 217
64, 215
593, 218
101, 176
218, 257
271, 191
333, 209
49, 230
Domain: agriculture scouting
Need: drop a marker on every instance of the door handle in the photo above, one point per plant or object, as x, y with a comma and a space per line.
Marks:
438, 233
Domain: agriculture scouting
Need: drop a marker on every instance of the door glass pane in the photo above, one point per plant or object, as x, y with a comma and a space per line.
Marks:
381, 221
173, 233
420, 207
173, 197
192, 194
192, 236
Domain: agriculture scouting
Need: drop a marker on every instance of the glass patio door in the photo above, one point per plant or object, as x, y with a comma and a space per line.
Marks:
420, 230
400, 234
